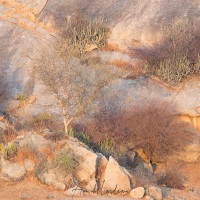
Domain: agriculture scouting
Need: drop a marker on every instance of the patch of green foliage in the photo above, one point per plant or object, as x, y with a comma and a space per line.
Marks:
9, 150
21, 97
64, 161
83, 137
107, 147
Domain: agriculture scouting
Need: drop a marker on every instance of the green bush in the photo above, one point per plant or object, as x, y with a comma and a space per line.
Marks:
81, 33
107, 147
83, 137
9, 150
64, 161
21, 97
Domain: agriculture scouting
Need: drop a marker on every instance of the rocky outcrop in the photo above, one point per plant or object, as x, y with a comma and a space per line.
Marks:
29, 165
50, 178
11, 171
133, 22
35, 141
20, 46
115, 179
87, 163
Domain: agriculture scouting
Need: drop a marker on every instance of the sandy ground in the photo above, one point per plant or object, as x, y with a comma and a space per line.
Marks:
33, 190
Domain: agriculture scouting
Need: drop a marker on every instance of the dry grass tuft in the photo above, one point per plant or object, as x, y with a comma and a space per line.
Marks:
49, 152
25, 152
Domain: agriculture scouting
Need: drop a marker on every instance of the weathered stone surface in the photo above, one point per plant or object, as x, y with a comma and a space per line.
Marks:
12, 171
137, 193
155, 192
133, 22
86, 168
181, 194
190, 154
35, 141
102, 163
60, 186
115, 178
50, 179
149, 198
21, 46
20, 137
3, 126
29, 165
36, 6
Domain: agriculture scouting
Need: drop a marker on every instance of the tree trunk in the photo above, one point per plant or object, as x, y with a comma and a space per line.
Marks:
65, 121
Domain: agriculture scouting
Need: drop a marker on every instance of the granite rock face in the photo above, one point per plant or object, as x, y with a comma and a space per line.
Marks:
132, 21
23, 36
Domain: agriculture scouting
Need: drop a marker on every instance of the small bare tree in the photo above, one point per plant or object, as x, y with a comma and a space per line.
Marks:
74, 85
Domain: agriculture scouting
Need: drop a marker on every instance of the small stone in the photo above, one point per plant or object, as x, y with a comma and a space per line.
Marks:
29, 165
60, 186
149, 198
155, 192
75, 191
51, 196
137, 193
26, 196
20, 137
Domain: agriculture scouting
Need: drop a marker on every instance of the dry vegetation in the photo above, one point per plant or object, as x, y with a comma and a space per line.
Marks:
177, 55
75, 86
149, 129
25, 152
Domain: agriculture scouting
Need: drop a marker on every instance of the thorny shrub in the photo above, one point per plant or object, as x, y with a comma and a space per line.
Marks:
81, 33
177, 55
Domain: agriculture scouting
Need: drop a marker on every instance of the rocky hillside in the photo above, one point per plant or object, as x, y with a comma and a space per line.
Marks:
27, 27
133, 103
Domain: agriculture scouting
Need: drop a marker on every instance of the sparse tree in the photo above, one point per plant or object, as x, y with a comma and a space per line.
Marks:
74, 84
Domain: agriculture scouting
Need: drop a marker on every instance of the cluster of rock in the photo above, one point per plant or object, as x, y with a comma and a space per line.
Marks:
94, 172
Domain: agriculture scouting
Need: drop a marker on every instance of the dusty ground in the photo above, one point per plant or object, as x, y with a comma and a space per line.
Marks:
33, 190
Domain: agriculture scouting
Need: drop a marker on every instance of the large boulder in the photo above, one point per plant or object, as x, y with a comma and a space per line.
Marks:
133, 22
87, 160
11, 171
51, 179
115, 179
